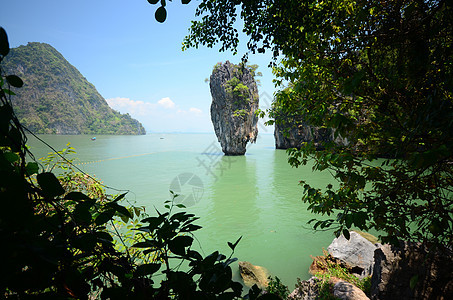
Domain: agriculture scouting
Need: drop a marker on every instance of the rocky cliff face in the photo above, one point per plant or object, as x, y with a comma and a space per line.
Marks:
57, 99
234, 102
290, 133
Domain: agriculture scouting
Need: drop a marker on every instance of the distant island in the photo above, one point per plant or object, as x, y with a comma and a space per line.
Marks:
57, 99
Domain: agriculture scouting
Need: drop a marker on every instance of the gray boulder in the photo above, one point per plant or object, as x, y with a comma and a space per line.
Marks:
234, 102
347, 291
409, 271
357, 252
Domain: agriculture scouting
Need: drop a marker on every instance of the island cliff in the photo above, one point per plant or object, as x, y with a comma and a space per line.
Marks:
57, 99
290, 132
234, 102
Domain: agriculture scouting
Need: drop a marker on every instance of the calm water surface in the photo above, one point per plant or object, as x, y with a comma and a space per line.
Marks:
255, 196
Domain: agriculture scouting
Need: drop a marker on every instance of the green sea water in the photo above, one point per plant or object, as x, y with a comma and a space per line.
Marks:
255, 196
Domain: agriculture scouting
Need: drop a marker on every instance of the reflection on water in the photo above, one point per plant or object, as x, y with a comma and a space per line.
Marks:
233, 197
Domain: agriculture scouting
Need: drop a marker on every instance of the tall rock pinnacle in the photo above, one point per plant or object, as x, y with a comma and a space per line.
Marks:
234, 102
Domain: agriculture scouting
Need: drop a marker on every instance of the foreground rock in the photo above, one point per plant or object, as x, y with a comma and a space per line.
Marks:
346, 291
409, 272
252, 274
307, 290
234, 102
357, 252
321, 264
310, 290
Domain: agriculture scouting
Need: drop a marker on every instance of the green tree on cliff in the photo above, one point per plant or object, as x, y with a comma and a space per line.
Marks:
378, 72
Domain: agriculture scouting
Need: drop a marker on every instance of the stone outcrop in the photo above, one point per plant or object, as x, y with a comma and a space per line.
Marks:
357, 252
292, 133
320, 264
234, 102
346, 291
407, 271
310, 290
306, 290
410, 272
252, 274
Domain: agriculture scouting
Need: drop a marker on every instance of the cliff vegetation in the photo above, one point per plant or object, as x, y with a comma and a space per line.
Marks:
57, 99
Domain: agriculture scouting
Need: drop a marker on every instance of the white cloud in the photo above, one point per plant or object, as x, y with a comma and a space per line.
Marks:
195, 110
166, 103
126, 105
163, 115
191, 111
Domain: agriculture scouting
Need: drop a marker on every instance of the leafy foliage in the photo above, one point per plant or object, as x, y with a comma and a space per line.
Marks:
332, 269
56, 98
379, 74
276, 287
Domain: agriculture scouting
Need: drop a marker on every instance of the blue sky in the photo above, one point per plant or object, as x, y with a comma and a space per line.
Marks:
135, 63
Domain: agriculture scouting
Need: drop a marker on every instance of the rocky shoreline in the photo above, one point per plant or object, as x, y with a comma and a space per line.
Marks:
404, 271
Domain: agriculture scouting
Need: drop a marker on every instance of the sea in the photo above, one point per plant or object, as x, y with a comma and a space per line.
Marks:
256, 196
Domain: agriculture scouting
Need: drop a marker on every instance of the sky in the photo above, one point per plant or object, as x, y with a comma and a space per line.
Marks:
134, 62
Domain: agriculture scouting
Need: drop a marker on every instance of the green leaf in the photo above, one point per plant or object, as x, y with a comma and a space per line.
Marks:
413, 281
15, 81
153, 222
76, 196
146, 244
195, 255
16, 135
137, 211
9, 92
346, 234
190, 228
179, 243
161, 14
50, 185
31, 168
11, 157
123, 211
104, 217
153, 1
103, 237
147, 269
6, 114
85, 242
185, 1
233, 246
120, 197
4, 44
82, 213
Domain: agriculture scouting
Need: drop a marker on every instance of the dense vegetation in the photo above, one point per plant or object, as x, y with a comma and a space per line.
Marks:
380, 74
56, 98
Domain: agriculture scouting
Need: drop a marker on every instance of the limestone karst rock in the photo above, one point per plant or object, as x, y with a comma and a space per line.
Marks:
357, 252
292, 133
57, 99
234, 102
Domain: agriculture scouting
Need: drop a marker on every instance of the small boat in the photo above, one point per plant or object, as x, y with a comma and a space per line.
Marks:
93, 138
